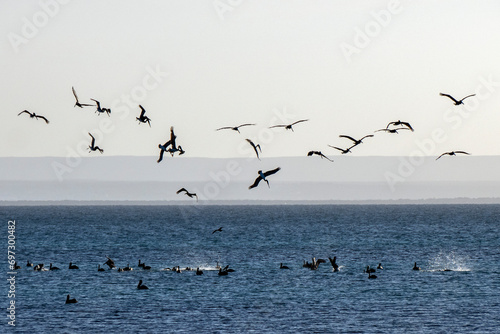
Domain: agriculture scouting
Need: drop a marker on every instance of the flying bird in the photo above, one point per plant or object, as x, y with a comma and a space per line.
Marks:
33, 115
191, 195
288, 126
459, 102
217, 230
318, 153
255, 147
262, 176
100, 110
78, 104
110, 263
392, 130
398, 123
92, 146
344, 151
452, 153
234, 128
164, 148
355, 141
143, 118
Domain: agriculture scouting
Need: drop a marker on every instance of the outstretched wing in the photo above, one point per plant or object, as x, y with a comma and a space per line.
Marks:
449, 96
181, 190
310, 153
98, 103
324, 156
338, 148
386, 130
74, 93
161, 156
348, 137
224, 128
255, 183
246, 124
272, 171
42, 117
463, 152
302, 120
24, 111
93, 140
278, 126
442, 155
467, 96
172, 136
407, 125
143, 111
367, 136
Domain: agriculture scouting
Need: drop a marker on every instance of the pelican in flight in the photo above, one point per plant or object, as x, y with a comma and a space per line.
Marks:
78, 104
344, 151
143, 118
100, 110
392, 130
191, 195
33, 115
234, 128
262, 176
288, 126
92, 146
459, 102
255, 147
333, 261
398, 123
452, 153
165, 147
355, 141
310, 153
217, 230
110, 263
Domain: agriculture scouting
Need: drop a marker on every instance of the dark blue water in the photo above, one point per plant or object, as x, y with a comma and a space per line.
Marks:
258, 297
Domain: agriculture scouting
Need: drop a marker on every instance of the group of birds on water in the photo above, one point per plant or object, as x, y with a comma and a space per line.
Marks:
171, 146
222, 271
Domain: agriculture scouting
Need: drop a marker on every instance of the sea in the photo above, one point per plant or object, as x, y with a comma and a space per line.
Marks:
457, 289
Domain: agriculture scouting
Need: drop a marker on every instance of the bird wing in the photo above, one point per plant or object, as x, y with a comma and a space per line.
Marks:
42, 117
348, 137
310, 153
224, 128
181, 190
467, 96
408, 125
278, 126
74, 93
86, 105
367, 136
246, 124
442, 155
172, 137
143, 111
161, 155
93, 140
382, 130
324, 156
97, 102
447, 95
463, 152
24, 111
338, 148
302, 120
255, 183
272, 171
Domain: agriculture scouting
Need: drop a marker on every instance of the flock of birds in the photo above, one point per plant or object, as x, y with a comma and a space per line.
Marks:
171, 146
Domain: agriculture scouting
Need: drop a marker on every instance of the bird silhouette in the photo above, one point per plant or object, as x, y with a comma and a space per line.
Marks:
283, 267
255, 147
234, 128
78, 104
344, 151
143, 118
33, 115
398, 123
217, 230
392, 130
310, 153
262, 176
165, 147
457, 102
452, 153
100, 110
110, 263
288, 126
191, 195
70, 300
355, 141
141, 286
92, 146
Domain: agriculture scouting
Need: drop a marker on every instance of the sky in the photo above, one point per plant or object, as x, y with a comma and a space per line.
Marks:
349, 67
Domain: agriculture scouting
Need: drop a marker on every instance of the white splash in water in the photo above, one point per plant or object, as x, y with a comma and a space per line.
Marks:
449, 261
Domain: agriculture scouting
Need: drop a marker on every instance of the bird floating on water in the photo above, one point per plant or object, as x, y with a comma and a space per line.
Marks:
454, 153
73, 266
191, 195
70, 301
143, 118
283, 267
141, 286
53, 268
78, 104
415, 266
234, 128
457, 102
262, 176
217, 230
288, 126
33, 115
92, 146
310, 153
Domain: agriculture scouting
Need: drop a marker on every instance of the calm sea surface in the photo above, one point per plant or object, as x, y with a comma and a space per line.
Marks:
257, 297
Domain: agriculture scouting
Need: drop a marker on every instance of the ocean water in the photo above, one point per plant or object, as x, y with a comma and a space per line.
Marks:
257, 297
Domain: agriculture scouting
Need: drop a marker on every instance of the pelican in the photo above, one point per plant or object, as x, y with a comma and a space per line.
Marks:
143, 266
191, 195
344, 151
288, 126
369, 270
392, 130
141, 286
199, 272
452, 153
459, 102
70, 301
371, 276
53, 268
38, 267
164, 148
415, 266
262, 176
217, 230
99, 268
78, 104
92, 146
33, 115
143, 118
355, 141
283, 267
398, 123
16, 266
334, 263
110, 263
380, 266
310, 153
255, 147
128, 268
100, 110
72, 266
29, 264
222, 272
234, 128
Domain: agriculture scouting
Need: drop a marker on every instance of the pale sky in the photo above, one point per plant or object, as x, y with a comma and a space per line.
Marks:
350, 67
